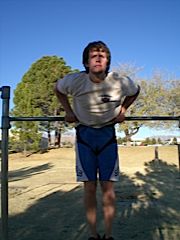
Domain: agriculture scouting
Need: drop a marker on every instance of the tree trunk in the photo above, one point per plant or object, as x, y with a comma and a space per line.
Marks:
49, 137
127, 137
25, 148
131, 132
58, 137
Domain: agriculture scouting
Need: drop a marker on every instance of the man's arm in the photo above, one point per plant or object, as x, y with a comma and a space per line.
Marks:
125, 105
63, 99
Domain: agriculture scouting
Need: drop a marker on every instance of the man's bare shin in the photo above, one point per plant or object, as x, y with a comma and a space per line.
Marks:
108, 206
91, 205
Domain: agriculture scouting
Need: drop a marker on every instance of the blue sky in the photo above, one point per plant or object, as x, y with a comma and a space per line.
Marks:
143, 32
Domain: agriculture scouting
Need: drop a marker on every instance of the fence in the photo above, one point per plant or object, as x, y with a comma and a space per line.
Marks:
5, 126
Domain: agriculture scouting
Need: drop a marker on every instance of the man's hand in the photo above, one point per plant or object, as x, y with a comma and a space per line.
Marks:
70, 117
120, 118
125, 105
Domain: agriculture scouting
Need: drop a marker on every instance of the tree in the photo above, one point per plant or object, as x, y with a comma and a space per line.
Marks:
174, 97
174, 141
153, 141
158, 96
147, 141
159, 141
120, 140
34, 96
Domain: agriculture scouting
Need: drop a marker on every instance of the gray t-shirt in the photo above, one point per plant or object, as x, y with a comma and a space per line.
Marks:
96, 104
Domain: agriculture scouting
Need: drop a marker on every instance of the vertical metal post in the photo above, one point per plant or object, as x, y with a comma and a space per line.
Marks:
178, 146
4, 162
179, 151
156, 153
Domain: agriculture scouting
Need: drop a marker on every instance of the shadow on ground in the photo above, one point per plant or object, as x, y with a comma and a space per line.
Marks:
27, 172
150, 210
147, 209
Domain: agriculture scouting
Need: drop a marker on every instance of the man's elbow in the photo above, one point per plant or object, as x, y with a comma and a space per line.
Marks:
55, 88
138, 91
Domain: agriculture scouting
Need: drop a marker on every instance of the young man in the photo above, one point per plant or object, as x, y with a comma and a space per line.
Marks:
97, 107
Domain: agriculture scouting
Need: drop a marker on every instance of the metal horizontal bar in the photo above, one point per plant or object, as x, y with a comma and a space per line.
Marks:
49, 118
152, 118
132, 118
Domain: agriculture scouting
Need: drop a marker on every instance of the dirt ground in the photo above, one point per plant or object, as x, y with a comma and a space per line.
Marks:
46, 203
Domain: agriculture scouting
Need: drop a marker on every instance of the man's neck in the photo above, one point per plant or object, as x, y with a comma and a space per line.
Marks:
98, 77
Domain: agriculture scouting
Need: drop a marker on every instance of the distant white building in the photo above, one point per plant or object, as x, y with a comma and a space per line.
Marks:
137, 141
67, 138
171, 140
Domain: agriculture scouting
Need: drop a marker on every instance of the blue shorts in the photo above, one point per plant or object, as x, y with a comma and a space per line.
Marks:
96, 154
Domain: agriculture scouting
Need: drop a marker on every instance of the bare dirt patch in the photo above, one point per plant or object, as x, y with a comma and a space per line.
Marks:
45, 202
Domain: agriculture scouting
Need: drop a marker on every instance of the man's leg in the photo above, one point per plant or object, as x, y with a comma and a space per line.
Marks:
108, 205
91, 205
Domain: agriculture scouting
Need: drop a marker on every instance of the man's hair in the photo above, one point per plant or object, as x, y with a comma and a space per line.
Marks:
98, 45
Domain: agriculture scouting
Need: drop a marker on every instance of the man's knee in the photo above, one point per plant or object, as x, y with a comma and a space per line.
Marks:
90, 187
108, 192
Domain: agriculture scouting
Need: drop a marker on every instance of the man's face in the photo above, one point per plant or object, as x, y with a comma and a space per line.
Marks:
97, 62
